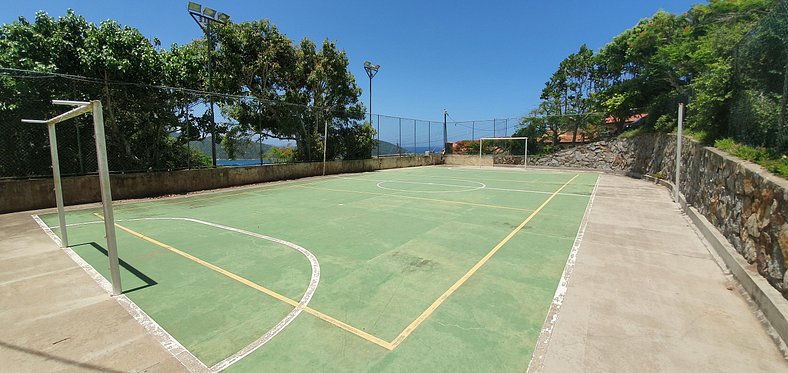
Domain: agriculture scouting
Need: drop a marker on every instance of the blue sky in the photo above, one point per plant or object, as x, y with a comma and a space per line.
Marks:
478, 59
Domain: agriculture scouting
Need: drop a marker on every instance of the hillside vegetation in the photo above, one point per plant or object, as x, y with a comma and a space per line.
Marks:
726, 60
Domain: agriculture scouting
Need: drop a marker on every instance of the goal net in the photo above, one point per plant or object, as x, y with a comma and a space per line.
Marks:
503, 151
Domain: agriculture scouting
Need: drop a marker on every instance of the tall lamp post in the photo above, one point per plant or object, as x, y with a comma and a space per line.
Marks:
372, 70
446, 147
205, 18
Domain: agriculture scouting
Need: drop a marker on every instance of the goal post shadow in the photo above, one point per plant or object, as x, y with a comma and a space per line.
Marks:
84, 107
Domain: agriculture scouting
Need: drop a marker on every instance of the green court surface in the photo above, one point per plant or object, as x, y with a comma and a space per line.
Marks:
426, 269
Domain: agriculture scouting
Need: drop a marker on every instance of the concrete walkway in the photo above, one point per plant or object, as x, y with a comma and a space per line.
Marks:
646, 295
55, 318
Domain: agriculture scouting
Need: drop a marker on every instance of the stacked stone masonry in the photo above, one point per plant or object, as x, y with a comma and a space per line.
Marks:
746, 203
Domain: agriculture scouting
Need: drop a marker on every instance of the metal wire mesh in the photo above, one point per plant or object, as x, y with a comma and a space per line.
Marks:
758, 111
156, 128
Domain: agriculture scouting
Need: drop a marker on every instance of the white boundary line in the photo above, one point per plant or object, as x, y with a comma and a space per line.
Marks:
452, 185
540, 349
468, 188
170, 343
186, 358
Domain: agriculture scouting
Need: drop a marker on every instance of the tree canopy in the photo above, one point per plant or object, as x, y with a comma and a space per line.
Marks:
155, 98
663, 60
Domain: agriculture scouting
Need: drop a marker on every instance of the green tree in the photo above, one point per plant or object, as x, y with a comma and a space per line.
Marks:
569, 90
294, 90
139, 120
666, 59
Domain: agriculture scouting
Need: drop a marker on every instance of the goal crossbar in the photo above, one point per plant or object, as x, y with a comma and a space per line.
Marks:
525, 154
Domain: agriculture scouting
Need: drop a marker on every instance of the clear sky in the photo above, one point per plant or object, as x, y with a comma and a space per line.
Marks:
478, 59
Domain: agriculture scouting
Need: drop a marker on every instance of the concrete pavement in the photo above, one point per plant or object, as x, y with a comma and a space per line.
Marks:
646, 295
55, 318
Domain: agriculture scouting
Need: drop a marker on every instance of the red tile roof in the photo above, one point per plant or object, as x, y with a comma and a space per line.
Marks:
632, 119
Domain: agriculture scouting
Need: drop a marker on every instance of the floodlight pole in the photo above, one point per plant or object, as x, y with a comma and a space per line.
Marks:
205, 20
372, 70
209, 35
445, 134
325, 143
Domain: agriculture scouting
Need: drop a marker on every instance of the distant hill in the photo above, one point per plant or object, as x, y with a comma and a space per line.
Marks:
250, 151
389, 148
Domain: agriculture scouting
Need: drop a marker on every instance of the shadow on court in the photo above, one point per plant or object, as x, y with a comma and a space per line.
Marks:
67, 362
147, 280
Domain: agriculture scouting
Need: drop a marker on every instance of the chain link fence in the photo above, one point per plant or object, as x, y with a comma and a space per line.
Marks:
760, 83
158, 128
400, 136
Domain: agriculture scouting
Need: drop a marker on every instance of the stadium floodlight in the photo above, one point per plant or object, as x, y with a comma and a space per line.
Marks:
205, 18
372, 70
82, 107
208, 12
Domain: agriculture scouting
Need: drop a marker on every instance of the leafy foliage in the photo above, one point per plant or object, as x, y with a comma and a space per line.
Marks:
727, 60
258, 61
138, 132
772, 162
667, 59
264, 83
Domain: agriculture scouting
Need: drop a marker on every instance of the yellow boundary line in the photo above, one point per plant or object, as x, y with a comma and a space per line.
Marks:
262, 289
417, 198
340, 324
424, 315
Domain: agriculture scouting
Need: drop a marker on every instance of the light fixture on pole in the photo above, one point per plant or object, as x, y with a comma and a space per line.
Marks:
446, 146
372, 70
205, 18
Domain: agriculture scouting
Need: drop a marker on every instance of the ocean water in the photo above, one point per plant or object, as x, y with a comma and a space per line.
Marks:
238, 162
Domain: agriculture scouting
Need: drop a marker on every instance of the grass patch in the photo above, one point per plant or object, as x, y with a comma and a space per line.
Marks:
775, 163
635, 132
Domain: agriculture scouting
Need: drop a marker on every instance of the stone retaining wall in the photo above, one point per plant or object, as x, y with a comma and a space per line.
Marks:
22, 195
746, 203
467, 160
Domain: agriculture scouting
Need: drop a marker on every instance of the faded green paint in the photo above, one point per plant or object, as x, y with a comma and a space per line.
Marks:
385, 256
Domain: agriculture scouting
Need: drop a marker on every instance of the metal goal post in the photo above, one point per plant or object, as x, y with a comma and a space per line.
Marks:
525, 154
82, 107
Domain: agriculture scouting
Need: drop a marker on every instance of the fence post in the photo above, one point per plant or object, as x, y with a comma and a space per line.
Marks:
79, 151
678, 153
429, 136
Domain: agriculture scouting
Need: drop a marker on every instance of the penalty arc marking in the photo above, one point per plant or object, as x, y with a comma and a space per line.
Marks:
301, 306
298, 307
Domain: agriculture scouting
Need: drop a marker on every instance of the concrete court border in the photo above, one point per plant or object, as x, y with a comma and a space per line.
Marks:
762, 295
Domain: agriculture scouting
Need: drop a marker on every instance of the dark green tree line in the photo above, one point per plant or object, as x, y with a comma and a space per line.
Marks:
663, 60
265, 85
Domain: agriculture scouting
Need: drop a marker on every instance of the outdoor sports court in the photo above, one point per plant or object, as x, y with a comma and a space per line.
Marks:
428, 268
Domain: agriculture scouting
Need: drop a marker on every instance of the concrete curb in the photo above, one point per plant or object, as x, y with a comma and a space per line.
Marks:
768, 300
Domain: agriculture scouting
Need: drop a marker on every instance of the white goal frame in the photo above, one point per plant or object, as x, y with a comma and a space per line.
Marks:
525, 155
82, 107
